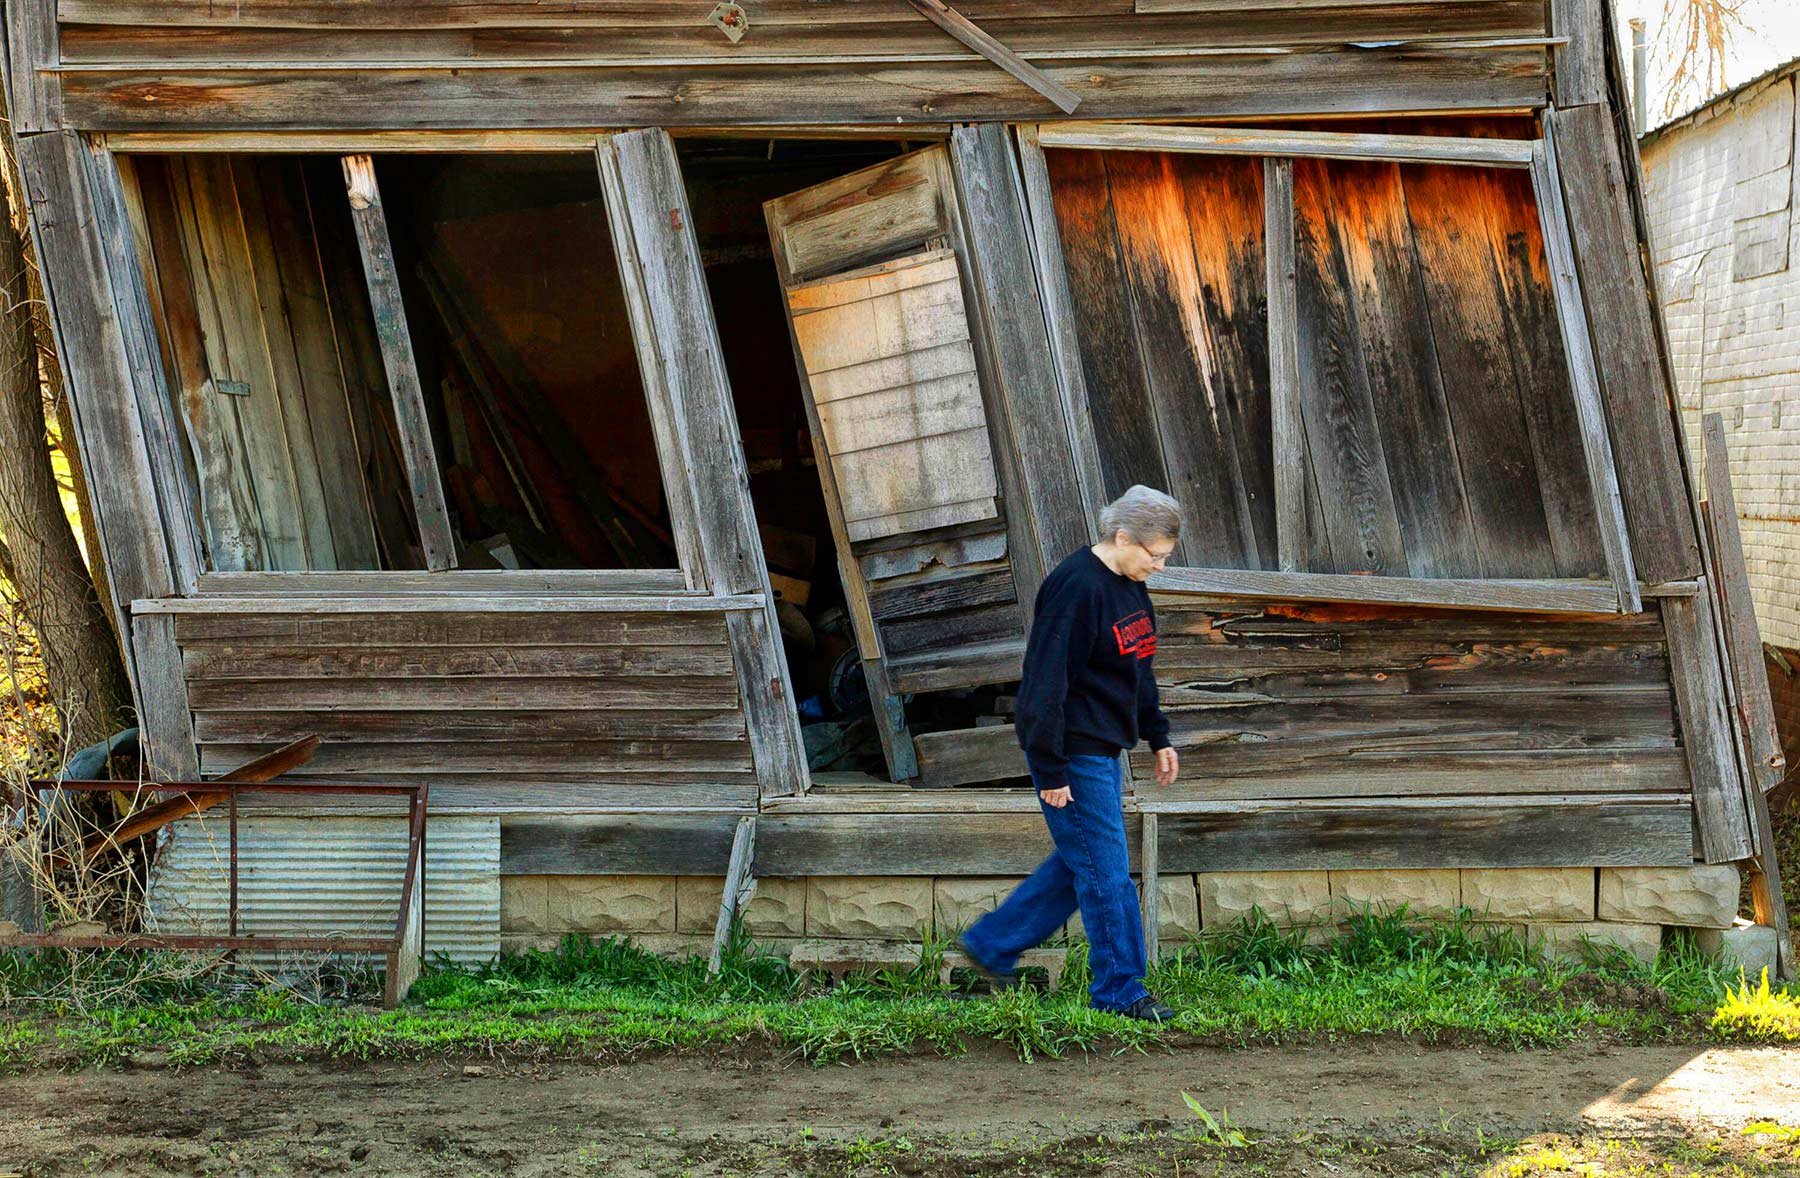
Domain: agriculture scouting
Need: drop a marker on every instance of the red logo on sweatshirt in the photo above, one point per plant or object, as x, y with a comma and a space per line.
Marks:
1136, 635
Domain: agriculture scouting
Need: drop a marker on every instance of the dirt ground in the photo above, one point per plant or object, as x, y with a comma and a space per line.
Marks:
1380, 1107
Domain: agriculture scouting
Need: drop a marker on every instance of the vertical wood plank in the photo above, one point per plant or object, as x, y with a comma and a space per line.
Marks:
33, 49
1361, 525
1584, 379
1059, 311
164, 718
1391, 291
1732, 577
685, 337
666, 424
322, 383
1706, 729
738, 883
98, 368
990, 192
1284, 365
236, 537
1225, 208
1634, 385
1151, 899
1112, 362
1580, 63
265, 281
1755, 709
422, 473
156, 412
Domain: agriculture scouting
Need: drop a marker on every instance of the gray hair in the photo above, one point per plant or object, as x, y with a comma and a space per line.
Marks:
1142, 513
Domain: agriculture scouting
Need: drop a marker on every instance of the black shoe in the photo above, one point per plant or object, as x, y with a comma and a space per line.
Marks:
995, 980
1150, 1010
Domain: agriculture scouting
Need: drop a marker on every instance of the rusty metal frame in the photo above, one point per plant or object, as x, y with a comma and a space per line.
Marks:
391, 947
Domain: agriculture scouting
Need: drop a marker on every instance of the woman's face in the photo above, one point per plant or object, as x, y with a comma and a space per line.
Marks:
1139, 559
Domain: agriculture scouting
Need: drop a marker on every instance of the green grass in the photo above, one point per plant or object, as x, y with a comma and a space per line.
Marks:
1252, 983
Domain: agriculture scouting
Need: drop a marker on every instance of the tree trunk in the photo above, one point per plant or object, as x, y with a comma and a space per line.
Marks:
56, 594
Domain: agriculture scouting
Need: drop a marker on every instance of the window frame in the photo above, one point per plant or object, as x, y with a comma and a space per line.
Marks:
1618, 592
442, 575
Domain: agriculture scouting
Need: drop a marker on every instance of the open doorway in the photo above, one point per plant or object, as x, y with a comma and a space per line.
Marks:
933, 706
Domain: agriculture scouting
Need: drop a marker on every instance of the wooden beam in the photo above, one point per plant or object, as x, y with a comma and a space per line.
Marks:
1431, 149
992, 198
446, 96
1580, 60
1706, 729
458, 603
1584, 378
969, 755
422, 474
666, 423
1150, 899
1639, 400
1546, 596
738, 885
1059, 313
970, 34
1755, 709
690, 360
164, 718
1731, 577
481, 582
34, 98
102, 365
1289, 442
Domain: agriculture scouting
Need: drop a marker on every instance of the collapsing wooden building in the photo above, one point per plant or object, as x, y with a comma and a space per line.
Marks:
632, 420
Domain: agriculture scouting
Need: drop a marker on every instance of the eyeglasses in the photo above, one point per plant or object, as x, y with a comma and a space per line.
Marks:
1159, 559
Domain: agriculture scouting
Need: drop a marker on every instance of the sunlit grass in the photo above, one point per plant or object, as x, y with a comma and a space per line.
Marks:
1251, 983
1758, 1015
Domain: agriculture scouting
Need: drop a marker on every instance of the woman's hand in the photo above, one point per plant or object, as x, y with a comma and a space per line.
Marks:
1167, 766
1055, 797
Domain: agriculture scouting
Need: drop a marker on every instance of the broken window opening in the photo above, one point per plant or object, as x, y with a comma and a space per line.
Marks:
526, 365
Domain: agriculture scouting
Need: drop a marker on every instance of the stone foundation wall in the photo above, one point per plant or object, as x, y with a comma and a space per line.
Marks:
1555, 907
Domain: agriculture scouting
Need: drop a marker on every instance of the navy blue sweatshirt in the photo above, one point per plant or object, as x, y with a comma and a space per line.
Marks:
1088, 686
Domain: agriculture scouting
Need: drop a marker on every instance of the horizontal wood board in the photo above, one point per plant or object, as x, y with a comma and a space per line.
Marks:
1274, 700
1481, 832
261, 63
583, 709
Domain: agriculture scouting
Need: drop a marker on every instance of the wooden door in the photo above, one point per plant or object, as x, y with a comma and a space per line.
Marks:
919, 397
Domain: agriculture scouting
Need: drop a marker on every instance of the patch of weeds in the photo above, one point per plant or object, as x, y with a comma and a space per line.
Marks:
1761, 1015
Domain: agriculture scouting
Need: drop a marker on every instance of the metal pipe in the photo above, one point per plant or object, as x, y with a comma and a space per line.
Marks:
1640, 68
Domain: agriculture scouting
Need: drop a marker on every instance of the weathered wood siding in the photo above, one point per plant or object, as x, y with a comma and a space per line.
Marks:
1435, 403
1353, 701
499, 711
366, 63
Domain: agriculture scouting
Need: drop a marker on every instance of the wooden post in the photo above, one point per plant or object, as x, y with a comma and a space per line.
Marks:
738, 886
1755, 709
416, 447
1284, 365
103, 363
691, 362
1584, 380
1008, 307
1585, 154
1150, 897
1706, 729
163, 715
1059, 312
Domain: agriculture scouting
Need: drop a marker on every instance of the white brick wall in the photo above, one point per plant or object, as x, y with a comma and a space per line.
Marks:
1714, 187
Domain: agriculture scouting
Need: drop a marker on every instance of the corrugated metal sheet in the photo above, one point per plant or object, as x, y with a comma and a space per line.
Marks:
338, 874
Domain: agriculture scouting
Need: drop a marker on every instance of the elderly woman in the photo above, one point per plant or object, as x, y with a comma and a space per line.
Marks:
1088, 693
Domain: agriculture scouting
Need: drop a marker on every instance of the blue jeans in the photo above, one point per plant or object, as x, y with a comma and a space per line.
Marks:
1089, 868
